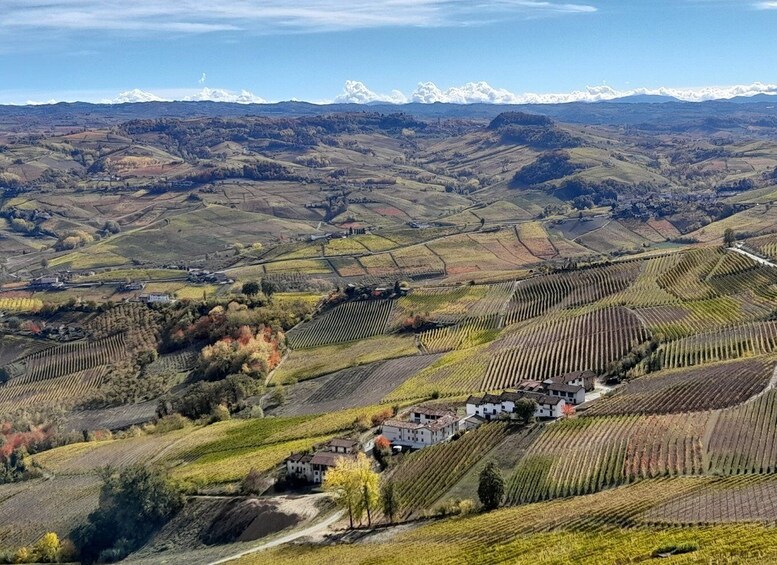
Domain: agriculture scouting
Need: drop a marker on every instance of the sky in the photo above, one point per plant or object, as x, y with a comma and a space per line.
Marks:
394, 50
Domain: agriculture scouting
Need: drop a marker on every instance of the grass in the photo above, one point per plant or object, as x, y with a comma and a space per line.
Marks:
310, 363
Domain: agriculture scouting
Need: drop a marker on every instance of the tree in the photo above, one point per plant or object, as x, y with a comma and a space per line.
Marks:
354, 485
568, 410
268, 288
524, 409
251, 288
133, 504
491, 487
389, 501
48, 548
729, 237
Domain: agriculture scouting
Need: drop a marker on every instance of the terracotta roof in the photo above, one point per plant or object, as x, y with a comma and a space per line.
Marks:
567, 377
434, 425
300, 457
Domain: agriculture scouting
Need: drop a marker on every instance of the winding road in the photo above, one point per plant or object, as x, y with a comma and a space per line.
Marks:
309, 531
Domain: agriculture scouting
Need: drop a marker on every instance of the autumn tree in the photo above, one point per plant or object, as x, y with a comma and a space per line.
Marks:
354, 485
491, 487
48, 548
568, 410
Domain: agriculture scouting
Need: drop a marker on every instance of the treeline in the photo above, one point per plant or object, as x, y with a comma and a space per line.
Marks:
547, 167
538, 132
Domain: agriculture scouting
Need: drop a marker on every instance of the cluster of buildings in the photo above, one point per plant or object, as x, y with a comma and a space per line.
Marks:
312, 467
205, 276
551, 396
423, 426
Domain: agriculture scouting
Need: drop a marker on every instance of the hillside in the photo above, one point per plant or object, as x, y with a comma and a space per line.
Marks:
205, 295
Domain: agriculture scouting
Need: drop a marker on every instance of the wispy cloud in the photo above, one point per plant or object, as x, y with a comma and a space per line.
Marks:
766, 5
267, 16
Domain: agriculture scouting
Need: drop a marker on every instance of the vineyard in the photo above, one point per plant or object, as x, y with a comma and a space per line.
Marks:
707, 387
743, 438
64, 392
359, 386
424, 476
537, 296
602, 528
724, 344
585, 455
589, 341
30, 509
26, 305
69, 358
346, 322
469, 333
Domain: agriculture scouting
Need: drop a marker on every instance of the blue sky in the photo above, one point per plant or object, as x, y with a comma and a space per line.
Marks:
307, 49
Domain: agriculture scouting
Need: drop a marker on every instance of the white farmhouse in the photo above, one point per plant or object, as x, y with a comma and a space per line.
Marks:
425, 427
492, 406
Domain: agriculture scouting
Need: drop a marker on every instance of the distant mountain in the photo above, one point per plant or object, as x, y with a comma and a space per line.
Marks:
645, 99
772, 98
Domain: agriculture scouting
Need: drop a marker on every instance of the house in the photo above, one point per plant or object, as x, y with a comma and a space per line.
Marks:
312, 467
157, 298
424, 427
46, 282
493, 406
586, 379
572, 394
132, 286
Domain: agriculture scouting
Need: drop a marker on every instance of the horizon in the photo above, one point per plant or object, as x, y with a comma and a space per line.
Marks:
503, 52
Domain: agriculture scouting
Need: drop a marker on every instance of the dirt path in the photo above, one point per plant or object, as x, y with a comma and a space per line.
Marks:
309, 531
756, 258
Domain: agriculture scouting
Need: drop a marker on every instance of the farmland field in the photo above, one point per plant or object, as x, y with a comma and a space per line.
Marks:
346, 322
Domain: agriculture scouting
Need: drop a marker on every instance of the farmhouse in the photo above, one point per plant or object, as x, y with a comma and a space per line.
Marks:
572, 394
586, 379
424, 427
157, 298
312, 467
493, 406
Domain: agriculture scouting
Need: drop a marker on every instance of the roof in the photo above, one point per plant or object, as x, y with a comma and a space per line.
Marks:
430, 411
561, 387
435, 425
299, 457
326, 458
341, 442
574, 375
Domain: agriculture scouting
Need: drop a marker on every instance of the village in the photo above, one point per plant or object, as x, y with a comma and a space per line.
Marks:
419, 427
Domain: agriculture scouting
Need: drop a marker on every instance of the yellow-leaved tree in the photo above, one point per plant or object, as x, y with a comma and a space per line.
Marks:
355, 486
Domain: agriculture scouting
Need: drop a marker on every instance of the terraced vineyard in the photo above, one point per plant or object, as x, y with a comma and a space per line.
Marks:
468, 333
723, 344
70, 358
346, 322
65, 391
707, 387
8, 304
743, 438
537, 296
589, 341
359, 386
585, 455
426, 475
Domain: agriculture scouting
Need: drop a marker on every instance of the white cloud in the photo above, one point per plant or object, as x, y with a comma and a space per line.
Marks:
267, 16
134, 95
203, 78
355, 92
482, 92
221, 95
206, 94
766, 5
